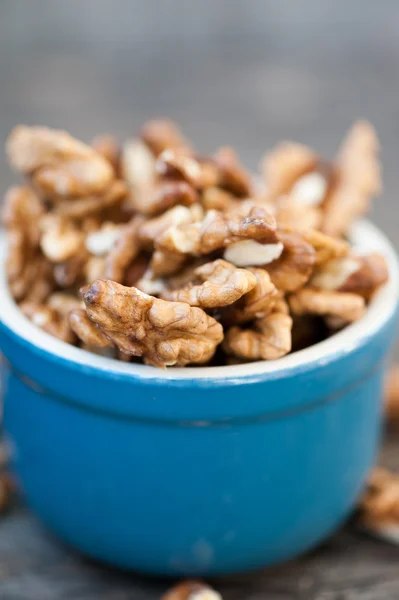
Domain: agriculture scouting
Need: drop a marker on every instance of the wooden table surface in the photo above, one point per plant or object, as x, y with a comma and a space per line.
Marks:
247, 74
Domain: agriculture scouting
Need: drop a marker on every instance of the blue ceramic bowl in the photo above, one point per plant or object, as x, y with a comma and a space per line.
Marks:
196, 471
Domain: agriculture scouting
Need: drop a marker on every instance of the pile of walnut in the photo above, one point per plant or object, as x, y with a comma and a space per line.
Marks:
152, 252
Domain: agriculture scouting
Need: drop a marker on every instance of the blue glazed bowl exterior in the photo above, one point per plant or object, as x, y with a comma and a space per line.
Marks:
190, 490
194, 474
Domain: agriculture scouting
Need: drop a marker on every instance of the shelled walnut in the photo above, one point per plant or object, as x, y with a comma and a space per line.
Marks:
59, 165
219, 284
163, 333
379, 506
268, 339
392, 393
6, 490
191, 590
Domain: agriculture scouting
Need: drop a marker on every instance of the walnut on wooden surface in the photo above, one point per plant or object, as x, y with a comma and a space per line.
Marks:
379, 506
58, 164
269, 338
191, 590
4, 455
347, 306
6, 492
392, 393
163, 333
214, 285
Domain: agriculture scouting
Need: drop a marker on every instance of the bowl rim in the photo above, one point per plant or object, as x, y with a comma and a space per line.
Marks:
365, 237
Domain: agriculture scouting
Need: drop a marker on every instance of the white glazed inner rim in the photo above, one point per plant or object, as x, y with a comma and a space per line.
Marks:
365, 238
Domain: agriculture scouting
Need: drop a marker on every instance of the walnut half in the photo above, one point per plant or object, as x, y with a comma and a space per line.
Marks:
221, 284
379, 507
392, 393
59, 164
218, 230
163, 333
348, 307
268, 339
191, 590
6, 491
